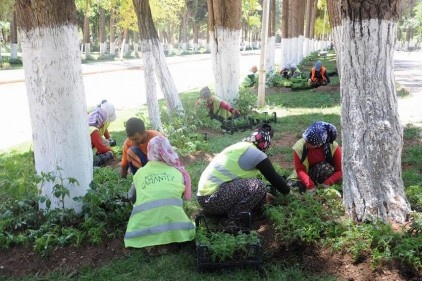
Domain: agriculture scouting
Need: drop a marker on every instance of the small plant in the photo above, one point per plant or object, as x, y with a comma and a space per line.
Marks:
59, 189
224, 246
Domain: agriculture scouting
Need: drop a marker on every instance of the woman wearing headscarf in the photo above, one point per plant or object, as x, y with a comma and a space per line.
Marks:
96, 121
229, 184
158, 217
217, 108
317, 158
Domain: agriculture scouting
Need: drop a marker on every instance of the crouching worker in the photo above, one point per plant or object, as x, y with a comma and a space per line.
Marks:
229, 184
134, 155
217, 108
318, 76
158, 217
317, 158
96, 122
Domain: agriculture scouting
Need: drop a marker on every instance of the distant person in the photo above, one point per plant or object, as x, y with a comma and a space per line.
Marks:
98, 121
217, 108
294, 71
134, 154
158, 217
229, 186
318, 76
252, 78
285, 71
317, 158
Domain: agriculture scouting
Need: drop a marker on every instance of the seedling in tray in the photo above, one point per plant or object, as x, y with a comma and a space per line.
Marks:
217, 249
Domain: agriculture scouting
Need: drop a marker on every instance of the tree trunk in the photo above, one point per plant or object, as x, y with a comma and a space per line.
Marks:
149, 37
184, 31
112, 32
270, 56
300, 29
284, 34
335, 22
308, 17
53, 78
312, 30
13, 38
371, 131
103, 44
225, 28
86, 33
409, 31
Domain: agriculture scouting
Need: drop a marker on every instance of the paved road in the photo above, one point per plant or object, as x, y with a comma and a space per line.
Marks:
122, 83
407, 69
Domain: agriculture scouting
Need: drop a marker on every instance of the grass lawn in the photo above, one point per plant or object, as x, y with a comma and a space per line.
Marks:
295, 111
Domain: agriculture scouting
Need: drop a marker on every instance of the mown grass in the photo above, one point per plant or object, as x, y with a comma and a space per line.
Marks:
295, 111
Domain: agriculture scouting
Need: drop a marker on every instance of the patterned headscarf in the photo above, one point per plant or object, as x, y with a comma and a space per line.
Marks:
160, 149
97, 117
261, 137
321, 133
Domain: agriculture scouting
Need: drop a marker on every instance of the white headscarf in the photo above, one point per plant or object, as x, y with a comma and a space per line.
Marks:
109, 109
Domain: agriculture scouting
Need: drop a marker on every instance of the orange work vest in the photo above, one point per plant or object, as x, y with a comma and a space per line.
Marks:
322, 71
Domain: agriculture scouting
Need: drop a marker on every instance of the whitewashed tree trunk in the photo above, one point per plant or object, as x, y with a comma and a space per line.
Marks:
103, 48
122, 49
225, 55
371, 132
150, 87
224, 27
53, 78
112, 48
13, 51
284, 50
270, 57
151, 43
294, 50
87, 48
306, 47
166, 81
299, 54
13, 38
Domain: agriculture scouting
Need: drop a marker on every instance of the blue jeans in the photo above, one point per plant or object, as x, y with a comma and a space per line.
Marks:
142, 157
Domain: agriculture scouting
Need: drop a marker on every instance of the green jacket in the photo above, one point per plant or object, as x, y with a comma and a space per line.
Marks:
224, 168
158, 217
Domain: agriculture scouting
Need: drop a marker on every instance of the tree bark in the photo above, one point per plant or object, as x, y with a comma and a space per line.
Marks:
335, 22
13, 38
53, 77
307, 27
112, 32
270, 56
103, 45
225, 28
409, 31
284, 34
86, 33
149, 37
372, 135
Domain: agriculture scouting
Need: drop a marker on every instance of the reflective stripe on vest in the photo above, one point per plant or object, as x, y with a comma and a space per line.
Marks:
224, 168
160, 228
155, 204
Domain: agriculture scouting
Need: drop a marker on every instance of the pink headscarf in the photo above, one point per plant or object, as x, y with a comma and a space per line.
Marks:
160, 149
97, 117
